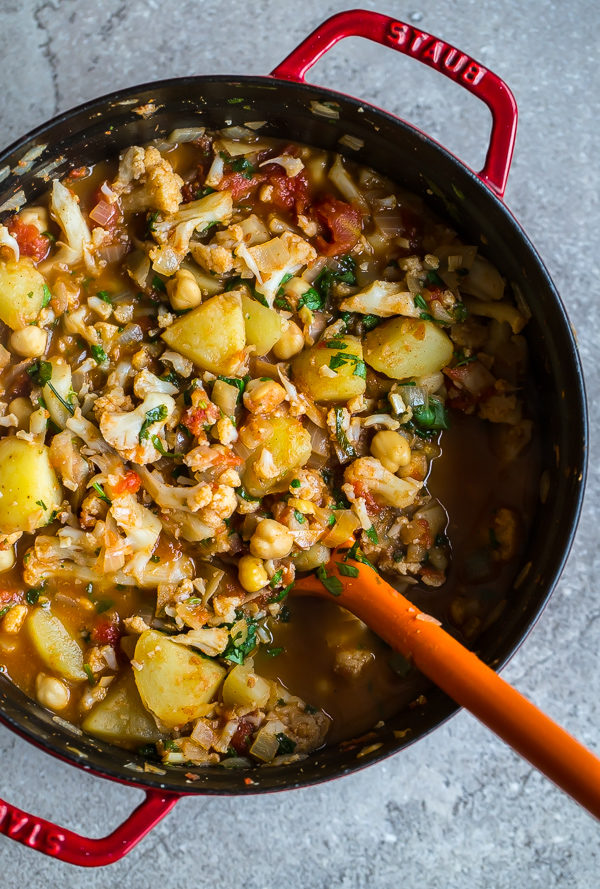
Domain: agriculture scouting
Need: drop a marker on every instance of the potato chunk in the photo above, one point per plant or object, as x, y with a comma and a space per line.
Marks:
21, 293
243, 688
29, 489
333, 370
407, 347
263, 325
55, 645
174, 681
213, 336
284, 448
121, 716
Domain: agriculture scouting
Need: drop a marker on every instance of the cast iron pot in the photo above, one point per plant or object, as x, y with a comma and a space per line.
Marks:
295, 110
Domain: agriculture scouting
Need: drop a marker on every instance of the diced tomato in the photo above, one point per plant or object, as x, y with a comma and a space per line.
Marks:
362, 491
288, 192
238, 185
241, 738
106, 632
343, 222
130, 483
194, 419
31, 242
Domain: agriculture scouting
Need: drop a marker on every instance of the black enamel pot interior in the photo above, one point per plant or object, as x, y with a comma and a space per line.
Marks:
104, 127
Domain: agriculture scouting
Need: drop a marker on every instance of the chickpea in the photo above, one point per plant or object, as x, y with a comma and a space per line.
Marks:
391, 449
14, 619
252, 574
263, 396
7, 559
22, 408
271, 540
51, 692
183, 290
290, 342
30, 342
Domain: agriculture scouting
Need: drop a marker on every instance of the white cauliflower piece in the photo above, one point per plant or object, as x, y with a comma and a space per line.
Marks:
274, 259
212, 503
215, 258
64, 207
130, 433
382, 298
211, 642
142, 530
292, 165
66, 459
148, 180
386, 488
146, 382
174, 231
88, 433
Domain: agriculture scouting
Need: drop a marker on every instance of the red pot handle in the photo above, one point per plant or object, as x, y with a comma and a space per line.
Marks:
431, 51
58, 842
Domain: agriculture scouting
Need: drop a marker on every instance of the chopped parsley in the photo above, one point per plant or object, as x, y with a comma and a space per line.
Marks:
299, 517
40, 372
342, 359
276, 578
242, 165
356, 554
150, 220
89, 674
295, 483
372, 534
154, 415
311, 299
420, 303
100, 492
103, 605
280, 596
46, 297
245, 495
370, 321
158, 284
286, 745
345, 273
342, 439
161, 450
347, 570
41, 504
98, 354
237, 651
31, 596
433, 278
238, 382
333, 585
431, 417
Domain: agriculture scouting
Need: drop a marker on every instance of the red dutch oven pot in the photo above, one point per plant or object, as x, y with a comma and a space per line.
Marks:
295, 110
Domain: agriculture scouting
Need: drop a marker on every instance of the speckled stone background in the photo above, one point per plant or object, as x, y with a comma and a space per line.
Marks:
459, 809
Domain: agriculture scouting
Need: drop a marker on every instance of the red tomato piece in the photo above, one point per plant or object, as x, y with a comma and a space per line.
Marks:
238, 185
343, 223
129, 484
288, 192
194, 419
106, 632
31, 242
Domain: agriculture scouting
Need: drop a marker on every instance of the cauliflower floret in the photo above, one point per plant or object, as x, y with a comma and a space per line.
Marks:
64, 207
142, 529
146, 382
211, 642
173, 232
271, 261
131, 433
292, 165
368, 474
215, 258
148, 180
382, 298
7, 240
66, 459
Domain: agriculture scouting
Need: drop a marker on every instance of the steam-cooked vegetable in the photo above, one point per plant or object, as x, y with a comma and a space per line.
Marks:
243, 688
213, 336
29, 489
56, 647
284, 448
333, 370
406, 347
175, 682
121, 716
22, 292
263, 325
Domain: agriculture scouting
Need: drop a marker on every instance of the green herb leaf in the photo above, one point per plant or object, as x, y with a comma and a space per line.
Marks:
98, 354
46, 297
5, 610
40, 372
347, 570
154, 415
286, 745
150, 220
159, 447
50, 237
100, 492
90, 675
104, 295
295, 483
335, 344
103, 605
340, 434
276, 578
242, 165
41, 504
299, 517
333, 585
356, 554
370, 321
311, 299
433, 278
236, 652
31, 596
372, 534
158, 284
68, 407
420, 302
280, 596
238, 382
432, 417
273, 652
245, 495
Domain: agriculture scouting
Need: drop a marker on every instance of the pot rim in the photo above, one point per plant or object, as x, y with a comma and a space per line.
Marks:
449, 708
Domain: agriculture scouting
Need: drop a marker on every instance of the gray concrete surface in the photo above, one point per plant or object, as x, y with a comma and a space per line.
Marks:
459, 809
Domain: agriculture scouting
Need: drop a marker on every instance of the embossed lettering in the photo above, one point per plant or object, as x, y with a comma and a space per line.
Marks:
434, 51
473, 73
420, 40
53, 842
451, 63
398, 33
17, 821
32, 839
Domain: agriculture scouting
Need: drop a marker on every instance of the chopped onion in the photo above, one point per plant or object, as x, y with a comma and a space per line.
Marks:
314, 270
265, 745
114, 252
318, 439
346, 523
215, 173
344, 182
329, 109
390, 224
384, 420
133, 333
186, 134
102, 213
352, 142
138, 267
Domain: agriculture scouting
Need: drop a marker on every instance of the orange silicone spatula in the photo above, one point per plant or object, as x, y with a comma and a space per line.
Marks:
463, 676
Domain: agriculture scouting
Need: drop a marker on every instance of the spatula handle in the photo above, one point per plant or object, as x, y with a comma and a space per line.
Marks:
470, 682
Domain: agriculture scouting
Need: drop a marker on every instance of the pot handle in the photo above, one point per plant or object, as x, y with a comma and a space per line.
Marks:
65, 845
428, 49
